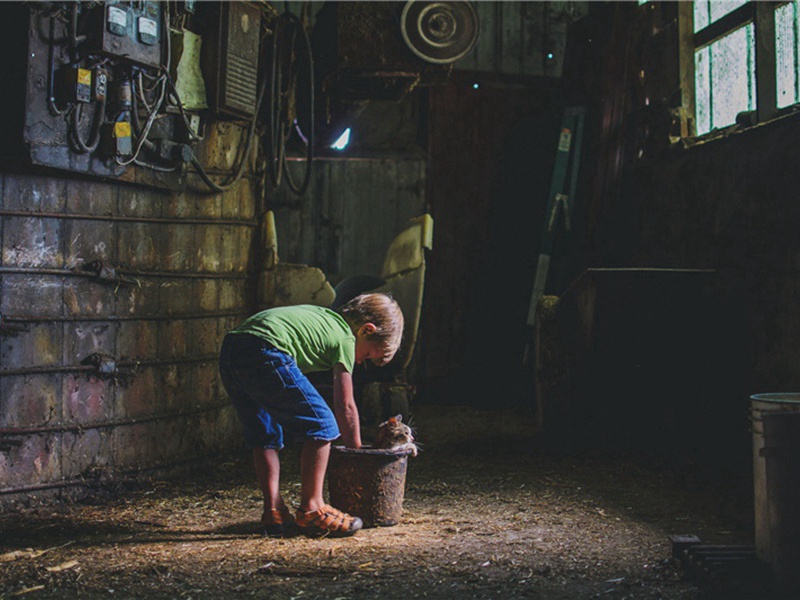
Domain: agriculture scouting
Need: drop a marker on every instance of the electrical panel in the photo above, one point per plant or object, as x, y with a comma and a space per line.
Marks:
100, 83
131, 30
233, 59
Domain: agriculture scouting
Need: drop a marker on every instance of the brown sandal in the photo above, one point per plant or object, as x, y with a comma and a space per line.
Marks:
276, 523
327, 521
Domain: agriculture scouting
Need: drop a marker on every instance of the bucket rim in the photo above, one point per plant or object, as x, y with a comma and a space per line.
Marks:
777, 397
368, 450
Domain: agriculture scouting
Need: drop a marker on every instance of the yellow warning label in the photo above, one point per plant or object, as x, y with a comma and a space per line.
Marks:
84, 76
122, 129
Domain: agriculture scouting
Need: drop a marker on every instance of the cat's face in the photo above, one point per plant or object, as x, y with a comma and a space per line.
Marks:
394, 432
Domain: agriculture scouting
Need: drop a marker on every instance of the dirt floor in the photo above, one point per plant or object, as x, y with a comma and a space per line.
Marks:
488, 514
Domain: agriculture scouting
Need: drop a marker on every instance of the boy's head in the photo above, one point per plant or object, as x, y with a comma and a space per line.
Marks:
378, 319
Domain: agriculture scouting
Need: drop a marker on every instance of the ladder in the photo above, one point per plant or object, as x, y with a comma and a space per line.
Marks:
560, 202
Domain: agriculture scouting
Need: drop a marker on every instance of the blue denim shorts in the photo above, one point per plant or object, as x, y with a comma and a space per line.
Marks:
270, 393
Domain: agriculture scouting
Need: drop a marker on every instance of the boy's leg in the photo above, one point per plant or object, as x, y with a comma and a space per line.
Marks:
313, 463
314, 516
268, 472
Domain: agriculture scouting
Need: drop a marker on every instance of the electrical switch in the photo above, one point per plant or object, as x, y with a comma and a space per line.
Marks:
76, 85
100, 87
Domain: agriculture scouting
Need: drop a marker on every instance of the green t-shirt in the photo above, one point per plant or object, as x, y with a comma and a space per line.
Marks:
315, 336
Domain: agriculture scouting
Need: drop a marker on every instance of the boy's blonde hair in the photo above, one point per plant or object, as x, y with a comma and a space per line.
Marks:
382, 311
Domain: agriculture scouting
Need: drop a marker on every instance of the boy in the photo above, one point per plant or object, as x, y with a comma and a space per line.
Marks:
262, 364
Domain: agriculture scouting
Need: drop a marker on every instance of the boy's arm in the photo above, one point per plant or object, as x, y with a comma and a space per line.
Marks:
344, 407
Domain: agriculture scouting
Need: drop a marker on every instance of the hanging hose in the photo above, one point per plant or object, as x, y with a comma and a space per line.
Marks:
283, 84
309, 140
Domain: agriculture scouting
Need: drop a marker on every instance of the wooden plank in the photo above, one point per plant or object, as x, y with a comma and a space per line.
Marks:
532, 25
510, 48
485, 47
335, 177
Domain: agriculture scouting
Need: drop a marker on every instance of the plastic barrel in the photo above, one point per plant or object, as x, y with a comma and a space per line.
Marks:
368, 483
782, 468
759, 405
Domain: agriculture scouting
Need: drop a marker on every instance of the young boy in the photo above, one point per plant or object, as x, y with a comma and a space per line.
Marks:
262, 364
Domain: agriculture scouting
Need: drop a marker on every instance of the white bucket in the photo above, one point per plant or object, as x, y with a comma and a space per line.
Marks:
759, 404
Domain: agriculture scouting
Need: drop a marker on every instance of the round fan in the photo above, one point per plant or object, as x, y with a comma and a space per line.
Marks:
439, 32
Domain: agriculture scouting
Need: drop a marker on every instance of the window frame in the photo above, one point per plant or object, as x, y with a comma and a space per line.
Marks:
762, 15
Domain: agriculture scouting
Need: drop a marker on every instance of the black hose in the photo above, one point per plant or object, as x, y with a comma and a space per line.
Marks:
283, 81
301, 189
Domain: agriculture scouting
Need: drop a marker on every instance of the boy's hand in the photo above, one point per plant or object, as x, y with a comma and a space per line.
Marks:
344, 407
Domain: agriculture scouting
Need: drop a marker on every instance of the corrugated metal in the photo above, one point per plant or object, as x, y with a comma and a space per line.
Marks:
350, 213
184, 261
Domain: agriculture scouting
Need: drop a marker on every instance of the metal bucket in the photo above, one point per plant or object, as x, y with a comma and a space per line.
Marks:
760, 404
368, 483
782, 461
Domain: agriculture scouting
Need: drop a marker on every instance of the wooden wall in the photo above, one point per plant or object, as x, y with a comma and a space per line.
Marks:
349, 214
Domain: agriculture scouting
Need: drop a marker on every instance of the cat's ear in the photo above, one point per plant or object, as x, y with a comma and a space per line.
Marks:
398, 418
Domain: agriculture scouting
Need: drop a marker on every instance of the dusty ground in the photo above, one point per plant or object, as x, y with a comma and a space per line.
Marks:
487, 515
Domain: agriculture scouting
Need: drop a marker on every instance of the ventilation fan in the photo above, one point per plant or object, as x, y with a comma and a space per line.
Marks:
439, 32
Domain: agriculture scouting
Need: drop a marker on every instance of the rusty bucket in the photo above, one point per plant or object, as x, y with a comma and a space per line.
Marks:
368, 483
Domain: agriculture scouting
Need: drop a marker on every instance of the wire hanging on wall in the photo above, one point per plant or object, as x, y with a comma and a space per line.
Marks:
290, 44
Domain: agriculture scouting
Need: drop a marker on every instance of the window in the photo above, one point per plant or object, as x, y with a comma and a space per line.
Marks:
745, 60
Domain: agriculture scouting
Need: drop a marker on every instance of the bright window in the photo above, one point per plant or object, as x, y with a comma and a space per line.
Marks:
787, 48
734, 75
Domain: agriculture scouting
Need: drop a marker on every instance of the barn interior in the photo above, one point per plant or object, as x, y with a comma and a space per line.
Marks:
583, 208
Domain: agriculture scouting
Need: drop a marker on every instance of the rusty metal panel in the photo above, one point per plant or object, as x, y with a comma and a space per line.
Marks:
83, 452
139, 245
208, 244
38, 344
177, 297
32, 242
86, 197
18, 292
35, 459
232, 295
203, 333
178, 262
31, 193
133, 445
172, 340
207, 293
29, 401
86, 297
136, 340
87, 337
176, 387
179, 241
87, 241
141, 299
139, 395
86, 399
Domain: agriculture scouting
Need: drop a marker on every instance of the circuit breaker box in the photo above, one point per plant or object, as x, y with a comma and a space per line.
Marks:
232, 59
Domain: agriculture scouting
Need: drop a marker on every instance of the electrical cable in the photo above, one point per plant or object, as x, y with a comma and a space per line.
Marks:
81, 146
309, 140
283, 84
162, 79
51, 96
